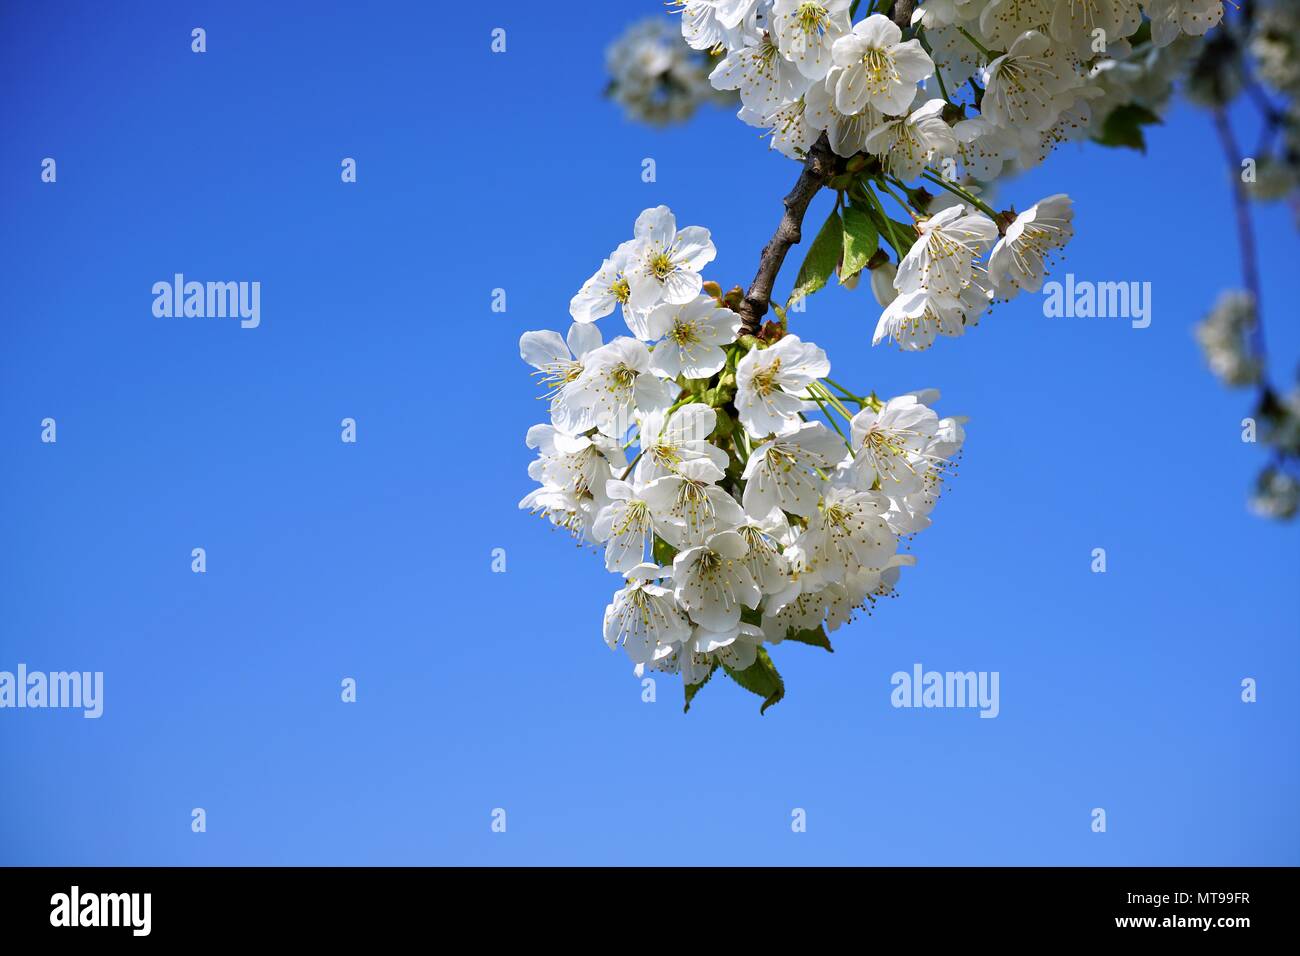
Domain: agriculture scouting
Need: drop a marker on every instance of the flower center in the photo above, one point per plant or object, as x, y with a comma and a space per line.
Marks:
765, 379
811, 17
662, 265
620, 290
622, 376
879, 66
684, 333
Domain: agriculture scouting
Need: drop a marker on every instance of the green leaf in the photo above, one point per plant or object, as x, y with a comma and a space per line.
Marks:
1123, 127
693, 689
823, 256
861, 239
816, 637
760, 678
663, 551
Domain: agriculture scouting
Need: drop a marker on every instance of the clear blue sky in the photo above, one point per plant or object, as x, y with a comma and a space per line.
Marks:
481, 690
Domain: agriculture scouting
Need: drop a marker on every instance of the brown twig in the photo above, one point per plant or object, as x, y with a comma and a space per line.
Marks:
902, 13
820, 165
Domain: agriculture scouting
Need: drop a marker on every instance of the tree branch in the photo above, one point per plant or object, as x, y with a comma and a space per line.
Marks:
902, 13
819, 167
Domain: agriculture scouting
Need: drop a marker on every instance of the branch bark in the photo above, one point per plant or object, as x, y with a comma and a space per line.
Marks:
902, 12
818, 168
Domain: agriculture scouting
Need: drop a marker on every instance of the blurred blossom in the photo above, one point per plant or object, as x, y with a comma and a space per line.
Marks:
1224, 337
655, 76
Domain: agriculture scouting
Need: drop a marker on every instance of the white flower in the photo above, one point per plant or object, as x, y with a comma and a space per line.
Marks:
615, 384
625, 525
983, 148
692, 337
559, 364
806, 30
653, 76
914, 319
702, 29
764, 78
644, 617
688, 506
882, 282
906, 144
942, 258
666, 262
737, 13
711, 582
1169, 18
791, 133
848, 534
860, 589
1073, 123
1074, 22
1004, 20
573, 471
735, 647
1023, 87
666, 441
956, 59
1019, 259
607, 288
782, 473
847, 134
1224, 337
1276, 495
797, 609
939, 13
769, 381
878, 69
766, 563
891, 444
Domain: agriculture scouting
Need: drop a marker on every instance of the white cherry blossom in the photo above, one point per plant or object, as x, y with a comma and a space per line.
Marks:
880, 69
782, 474
665, 262
688, 506
615, 385
1023, 88
1020, 258
806, 29
907, 144
942, 258
711, 582
692, 336
668, 440
644, 616
770, 381
559, 363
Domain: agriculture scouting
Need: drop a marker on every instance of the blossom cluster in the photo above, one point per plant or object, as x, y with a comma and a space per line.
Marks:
979, 89
741, 520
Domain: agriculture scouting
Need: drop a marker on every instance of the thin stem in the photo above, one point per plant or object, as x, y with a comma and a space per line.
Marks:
898, 199
962, 193
829, 418
900, 249
633, 465
988, 54
836, 385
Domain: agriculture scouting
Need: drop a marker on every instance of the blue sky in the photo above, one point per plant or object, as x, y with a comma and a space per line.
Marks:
373, 561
